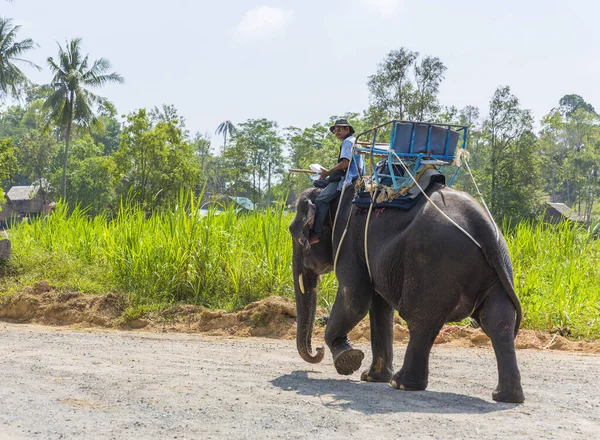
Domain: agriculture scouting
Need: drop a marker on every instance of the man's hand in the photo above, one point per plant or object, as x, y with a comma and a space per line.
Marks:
324, 174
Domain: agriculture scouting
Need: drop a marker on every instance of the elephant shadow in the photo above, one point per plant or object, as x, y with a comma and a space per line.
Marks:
380, 398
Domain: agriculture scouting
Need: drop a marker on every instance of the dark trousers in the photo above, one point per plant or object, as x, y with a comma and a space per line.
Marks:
329, 193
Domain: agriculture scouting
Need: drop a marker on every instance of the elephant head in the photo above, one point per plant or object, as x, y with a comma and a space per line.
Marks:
309, 262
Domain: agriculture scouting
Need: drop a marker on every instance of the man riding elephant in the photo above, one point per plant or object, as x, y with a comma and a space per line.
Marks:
343, 173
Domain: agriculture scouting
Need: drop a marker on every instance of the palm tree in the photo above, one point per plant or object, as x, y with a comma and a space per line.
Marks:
224, 128
69, 100
11, 77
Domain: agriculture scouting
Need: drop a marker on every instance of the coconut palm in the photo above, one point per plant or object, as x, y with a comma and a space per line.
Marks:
69, 99
225, 128
11, 77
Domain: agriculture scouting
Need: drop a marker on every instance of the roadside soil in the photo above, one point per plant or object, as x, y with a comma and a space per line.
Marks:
274, 317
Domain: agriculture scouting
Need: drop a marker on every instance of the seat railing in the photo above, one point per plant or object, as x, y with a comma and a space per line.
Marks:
417, 144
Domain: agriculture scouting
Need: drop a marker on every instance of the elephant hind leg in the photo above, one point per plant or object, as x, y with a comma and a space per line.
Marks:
497, 319
414, 374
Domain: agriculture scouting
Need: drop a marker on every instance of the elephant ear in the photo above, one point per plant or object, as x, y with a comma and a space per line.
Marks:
309, 219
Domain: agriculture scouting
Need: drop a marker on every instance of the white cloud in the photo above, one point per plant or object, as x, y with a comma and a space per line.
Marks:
383, 8
261, 22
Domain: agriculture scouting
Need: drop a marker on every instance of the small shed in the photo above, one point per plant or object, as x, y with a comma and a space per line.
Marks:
559, 212
24, 201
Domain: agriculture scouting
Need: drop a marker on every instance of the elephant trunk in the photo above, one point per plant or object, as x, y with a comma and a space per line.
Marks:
306, 308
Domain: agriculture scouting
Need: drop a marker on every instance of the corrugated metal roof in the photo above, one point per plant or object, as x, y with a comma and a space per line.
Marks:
22, 192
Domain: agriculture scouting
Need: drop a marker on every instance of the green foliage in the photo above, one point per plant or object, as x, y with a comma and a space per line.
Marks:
12, 79
108, 133
225, 128
93, 183
405, 88
557, 276
8, 160
70, 100
229, 260
254, 159
569, 104
155, 161
315, 144
180, 255
505, 159
570, 140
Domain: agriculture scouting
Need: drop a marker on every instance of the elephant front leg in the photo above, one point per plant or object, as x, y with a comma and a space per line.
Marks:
346, 313
381, 316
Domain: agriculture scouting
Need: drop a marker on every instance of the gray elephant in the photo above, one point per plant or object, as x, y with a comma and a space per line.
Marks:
421, 265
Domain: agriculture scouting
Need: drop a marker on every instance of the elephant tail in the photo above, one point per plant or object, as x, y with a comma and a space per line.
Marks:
500, 261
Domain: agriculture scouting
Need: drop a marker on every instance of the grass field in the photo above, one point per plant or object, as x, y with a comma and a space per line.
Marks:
229, 260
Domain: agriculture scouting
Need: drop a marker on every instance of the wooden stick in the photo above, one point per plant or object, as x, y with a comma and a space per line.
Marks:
294, 170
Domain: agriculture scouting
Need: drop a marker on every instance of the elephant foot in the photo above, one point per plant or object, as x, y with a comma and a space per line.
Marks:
374, 376
402, 381
348, 361
377, 373
513, 394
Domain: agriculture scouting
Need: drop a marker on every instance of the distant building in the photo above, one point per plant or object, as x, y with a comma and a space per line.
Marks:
559, 212
24, 201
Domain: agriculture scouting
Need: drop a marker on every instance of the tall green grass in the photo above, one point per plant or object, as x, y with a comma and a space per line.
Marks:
557, 276
223, 259
226, 260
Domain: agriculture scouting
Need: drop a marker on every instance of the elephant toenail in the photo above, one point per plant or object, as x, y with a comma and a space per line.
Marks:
393, 383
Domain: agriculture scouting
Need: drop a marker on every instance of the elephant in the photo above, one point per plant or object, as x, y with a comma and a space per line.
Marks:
419, 264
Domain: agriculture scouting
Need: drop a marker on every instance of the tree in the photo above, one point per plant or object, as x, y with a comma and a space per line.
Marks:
107, 133
70, 101
92, 177
8, 162
403, 88
225, 128
570, 139
201, 148
569, 104
12, 79
155, 161
259, 141
428, 76
507, 158
391, 87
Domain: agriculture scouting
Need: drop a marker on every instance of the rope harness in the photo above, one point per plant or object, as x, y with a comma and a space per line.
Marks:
461, 158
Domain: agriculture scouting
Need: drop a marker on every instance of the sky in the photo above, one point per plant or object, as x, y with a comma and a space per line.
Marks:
301, 62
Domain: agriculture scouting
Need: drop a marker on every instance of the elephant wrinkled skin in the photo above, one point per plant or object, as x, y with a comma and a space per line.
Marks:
423, 267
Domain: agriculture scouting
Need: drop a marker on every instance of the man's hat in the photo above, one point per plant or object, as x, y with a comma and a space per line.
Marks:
341, 123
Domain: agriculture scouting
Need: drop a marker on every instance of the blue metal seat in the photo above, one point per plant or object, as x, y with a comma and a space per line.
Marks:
410, 139
416, 144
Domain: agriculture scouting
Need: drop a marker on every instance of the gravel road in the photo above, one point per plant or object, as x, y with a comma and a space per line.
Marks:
73, 384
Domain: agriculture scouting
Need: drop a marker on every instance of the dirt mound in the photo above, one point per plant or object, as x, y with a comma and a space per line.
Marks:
42, 304
274, 317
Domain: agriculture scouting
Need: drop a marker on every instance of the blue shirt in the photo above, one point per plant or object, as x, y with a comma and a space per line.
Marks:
355, 165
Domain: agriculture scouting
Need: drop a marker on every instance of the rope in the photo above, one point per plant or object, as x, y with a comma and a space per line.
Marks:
461, 157
366, 236
337, 211
433, 204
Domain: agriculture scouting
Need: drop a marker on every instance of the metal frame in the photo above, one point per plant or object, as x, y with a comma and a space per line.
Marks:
418, 160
